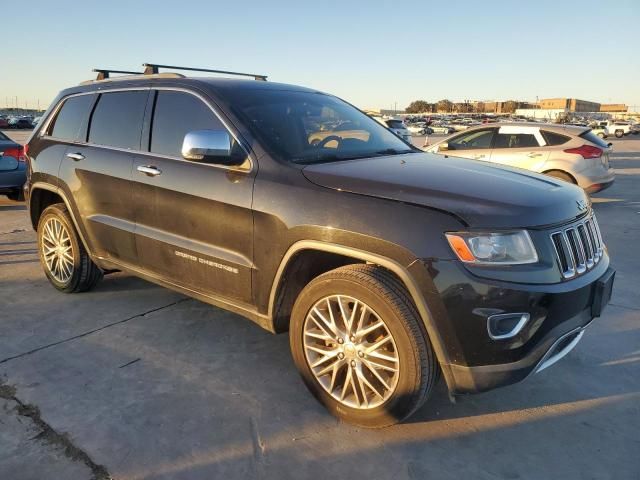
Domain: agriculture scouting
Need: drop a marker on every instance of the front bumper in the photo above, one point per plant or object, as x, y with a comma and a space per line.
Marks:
559, 313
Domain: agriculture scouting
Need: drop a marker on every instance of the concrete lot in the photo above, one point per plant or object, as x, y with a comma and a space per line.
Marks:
134, 381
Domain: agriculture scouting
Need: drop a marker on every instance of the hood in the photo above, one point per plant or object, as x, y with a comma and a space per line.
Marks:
481, 194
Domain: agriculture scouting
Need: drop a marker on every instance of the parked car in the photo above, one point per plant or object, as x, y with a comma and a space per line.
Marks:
12, 168
573, 154
387, 265
600, 131
619, 129
398, 127
4, 122
439, 128
20, 123
418, 128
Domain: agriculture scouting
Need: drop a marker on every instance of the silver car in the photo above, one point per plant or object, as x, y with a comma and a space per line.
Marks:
574, 154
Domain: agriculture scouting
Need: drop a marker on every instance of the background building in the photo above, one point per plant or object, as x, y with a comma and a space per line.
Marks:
613, 107
571, 104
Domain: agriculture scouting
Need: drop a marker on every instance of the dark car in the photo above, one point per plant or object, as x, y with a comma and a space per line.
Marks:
20, 123
387, 266
13, 171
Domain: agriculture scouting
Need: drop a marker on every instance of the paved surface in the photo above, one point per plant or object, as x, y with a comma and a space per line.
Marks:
137, 382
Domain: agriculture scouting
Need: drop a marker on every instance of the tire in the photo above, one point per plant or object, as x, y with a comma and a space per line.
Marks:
601, 135
16, 196
561, 175
619, 134
79, 273
387, 300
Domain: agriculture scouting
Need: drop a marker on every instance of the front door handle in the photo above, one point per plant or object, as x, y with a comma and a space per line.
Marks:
534, 154
478, 157
75, 156
149, 170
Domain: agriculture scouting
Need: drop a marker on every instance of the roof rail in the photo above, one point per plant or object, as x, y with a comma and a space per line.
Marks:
152, 68
104, 73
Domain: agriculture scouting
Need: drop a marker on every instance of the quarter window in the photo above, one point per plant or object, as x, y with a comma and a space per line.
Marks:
117, 119
516, 140
553, 138
67, 123
472, 140
175, 115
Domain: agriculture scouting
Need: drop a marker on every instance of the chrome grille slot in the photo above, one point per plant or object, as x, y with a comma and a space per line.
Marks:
578, 248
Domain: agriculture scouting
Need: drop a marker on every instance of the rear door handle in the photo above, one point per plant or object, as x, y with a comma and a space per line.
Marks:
75, 156
478, 157
533, 154
149, 170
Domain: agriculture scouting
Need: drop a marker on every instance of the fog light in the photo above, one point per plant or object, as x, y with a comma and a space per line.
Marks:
506, 325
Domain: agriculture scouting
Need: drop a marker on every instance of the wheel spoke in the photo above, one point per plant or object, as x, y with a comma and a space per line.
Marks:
366, 331
57, 250
378, 344
377, 375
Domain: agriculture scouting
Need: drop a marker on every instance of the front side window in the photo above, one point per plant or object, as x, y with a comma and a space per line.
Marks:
308, 127
472, 140
175, 115
67, 123
117, 119
516, 140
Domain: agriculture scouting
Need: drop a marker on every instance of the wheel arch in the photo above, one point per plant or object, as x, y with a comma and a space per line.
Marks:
41, 196
343, 255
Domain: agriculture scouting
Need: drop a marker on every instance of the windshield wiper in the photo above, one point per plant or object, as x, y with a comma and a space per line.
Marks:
393, 151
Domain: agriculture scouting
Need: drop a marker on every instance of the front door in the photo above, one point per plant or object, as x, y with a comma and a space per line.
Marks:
475, 144
194, 224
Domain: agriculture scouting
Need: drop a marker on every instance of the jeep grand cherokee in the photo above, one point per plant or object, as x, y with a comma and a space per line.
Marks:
290, 207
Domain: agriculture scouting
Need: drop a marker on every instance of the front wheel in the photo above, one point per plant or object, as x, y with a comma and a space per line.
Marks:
619, 133
360, 346
64, 259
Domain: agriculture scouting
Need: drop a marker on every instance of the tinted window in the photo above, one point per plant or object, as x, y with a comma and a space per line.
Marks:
176, 114
516, 140
472, 140
73, 112
593, 138
554, 138
117, 119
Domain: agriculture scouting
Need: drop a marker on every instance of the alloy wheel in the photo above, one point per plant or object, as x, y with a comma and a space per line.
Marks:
351, 352
57, 250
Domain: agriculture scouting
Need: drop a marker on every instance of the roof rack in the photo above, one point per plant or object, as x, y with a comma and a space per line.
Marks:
152, 68
104, 73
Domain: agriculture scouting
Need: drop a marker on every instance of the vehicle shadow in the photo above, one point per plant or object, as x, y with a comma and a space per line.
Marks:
7, 208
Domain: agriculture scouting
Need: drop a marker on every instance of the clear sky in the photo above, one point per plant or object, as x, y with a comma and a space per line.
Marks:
371, 53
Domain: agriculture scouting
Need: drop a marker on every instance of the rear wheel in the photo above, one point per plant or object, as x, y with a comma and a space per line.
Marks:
600, 134
64, 259
562, 176
360, 347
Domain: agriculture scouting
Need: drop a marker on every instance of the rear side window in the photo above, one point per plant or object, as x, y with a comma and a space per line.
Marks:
176, 114
552, 138
593, 138
117, 119
67, 123
516, 140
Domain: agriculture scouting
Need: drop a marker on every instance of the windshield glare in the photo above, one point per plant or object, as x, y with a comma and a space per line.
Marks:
307, 127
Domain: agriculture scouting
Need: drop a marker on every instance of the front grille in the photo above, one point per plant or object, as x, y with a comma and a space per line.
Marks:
578, 247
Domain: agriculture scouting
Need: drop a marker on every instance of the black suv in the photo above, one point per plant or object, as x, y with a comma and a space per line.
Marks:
387, 265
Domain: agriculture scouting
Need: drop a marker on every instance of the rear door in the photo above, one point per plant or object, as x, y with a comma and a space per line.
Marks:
194, 220
97, 172
475, 144
520, 146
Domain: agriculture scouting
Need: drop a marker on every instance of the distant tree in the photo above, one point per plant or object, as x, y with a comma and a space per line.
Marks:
419, 106
444, 106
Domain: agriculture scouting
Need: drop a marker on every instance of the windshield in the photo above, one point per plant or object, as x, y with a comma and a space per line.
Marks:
307, 127
593, 138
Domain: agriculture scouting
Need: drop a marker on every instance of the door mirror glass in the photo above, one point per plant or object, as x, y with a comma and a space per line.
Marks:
209, 146
443, 147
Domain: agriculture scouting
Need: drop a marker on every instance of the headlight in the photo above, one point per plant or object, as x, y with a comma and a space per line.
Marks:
503, 248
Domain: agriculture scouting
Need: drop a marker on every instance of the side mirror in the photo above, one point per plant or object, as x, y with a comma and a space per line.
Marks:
443, 147
210, 146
